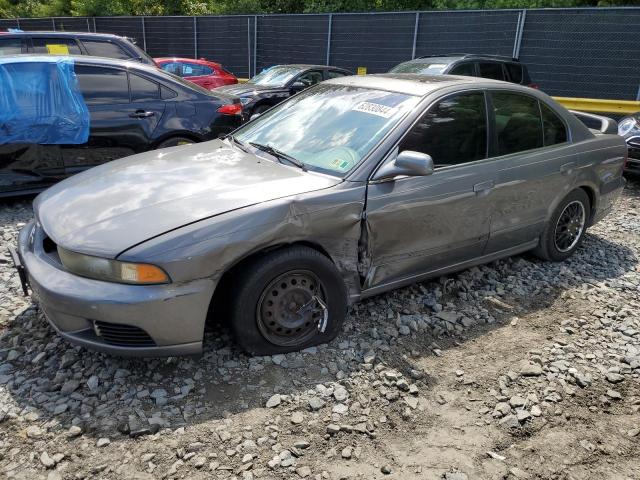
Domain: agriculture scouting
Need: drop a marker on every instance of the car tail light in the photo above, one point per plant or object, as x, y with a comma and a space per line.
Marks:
534, 85
231, 109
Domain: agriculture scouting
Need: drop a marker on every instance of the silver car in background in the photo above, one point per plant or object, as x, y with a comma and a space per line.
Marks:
354, 187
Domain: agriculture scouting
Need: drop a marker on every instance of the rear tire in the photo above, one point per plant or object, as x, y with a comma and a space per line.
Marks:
565, 229
275, 308
174, 142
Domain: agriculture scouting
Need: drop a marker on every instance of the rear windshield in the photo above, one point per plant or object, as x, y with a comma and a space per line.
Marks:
422, 68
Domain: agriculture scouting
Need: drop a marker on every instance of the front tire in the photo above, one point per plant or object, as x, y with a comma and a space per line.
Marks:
565, 230
174, 142
287, 300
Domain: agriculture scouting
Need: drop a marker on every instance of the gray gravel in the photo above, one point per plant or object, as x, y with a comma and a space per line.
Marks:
66, 412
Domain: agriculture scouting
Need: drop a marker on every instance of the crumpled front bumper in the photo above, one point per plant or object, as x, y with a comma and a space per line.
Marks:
130, 320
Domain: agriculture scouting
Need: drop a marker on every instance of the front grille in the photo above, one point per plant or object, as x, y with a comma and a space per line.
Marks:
122, 335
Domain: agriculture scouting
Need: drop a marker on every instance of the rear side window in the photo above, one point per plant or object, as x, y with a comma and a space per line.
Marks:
56, 46
454, 131
491, 70
515, 72
464, 69
310, 78
554, 128
167, 93
105, 49
10, 46
102, 85
143, 90
195, 70
518, 122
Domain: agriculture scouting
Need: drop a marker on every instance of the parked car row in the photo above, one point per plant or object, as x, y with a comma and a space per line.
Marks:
132, 108
274, 85
340, 187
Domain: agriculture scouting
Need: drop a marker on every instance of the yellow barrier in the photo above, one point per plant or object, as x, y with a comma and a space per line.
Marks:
599, 106
243, 80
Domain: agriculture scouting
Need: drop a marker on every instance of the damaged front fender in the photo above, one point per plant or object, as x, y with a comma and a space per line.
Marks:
330, 219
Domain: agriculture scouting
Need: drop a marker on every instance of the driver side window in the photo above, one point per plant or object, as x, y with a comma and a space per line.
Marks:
454, 131
310, 78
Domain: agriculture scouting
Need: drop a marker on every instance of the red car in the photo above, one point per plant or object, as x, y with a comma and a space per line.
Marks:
202, 72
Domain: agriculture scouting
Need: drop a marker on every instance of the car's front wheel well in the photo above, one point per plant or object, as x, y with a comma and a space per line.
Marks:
170, 136
225, 289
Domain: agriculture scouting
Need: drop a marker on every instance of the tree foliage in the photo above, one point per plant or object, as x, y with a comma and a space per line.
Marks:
46, 8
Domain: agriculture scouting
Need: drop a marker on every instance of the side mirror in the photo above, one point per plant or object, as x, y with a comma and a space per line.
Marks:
298, 86
409, 163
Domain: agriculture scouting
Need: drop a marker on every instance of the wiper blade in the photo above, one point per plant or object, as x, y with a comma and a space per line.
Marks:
279, 154
240, 144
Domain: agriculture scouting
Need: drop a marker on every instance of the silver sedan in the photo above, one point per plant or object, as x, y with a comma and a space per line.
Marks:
353, 187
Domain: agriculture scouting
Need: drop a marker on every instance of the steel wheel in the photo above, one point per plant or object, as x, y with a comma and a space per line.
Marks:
292, 308
570, 226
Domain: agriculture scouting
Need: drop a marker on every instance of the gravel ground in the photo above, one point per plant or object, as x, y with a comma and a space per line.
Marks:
517, 369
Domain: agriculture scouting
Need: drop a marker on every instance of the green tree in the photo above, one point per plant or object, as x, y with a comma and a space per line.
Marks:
32, 8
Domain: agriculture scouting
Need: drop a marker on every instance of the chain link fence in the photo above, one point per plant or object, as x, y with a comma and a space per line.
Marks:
592, 53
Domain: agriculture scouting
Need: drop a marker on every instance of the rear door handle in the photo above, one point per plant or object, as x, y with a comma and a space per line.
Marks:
567, 168
484, 186
141, 114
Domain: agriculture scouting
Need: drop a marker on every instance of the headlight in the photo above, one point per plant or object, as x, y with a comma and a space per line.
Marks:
111, 270
628, 125
245, 100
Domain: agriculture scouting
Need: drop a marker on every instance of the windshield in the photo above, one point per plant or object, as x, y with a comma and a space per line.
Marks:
422, 68
329, 128
275, 76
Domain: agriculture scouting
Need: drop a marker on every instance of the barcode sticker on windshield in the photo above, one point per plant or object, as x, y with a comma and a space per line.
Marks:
375, 109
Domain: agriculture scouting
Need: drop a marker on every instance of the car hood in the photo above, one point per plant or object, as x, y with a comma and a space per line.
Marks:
248, 90
115, 206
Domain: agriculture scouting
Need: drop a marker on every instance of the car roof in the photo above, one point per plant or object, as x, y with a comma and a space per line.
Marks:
304, 66
454, 57
62, 34
199, 61
83, 59
409, 83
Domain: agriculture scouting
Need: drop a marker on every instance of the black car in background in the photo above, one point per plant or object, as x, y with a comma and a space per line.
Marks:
68, 43
469, 65
629, 129
132, 108
277, 83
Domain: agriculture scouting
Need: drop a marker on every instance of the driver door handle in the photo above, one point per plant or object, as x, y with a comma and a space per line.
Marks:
141, 114
484, 187
567, 168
